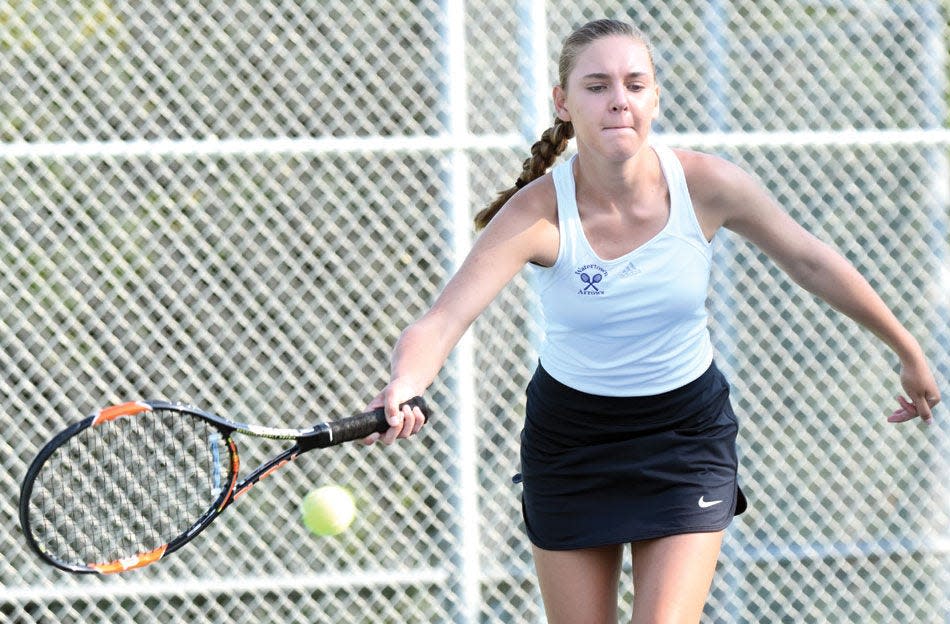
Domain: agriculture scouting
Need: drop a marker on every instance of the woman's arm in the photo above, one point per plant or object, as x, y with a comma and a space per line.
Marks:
524, 230
731, 198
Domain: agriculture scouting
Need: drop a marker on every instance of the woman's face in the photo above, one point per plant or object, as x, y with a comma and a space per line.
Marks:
611, 97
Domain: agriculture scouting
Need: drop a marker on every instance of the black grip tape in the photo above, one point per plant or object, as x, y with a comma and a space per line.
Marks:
362, 425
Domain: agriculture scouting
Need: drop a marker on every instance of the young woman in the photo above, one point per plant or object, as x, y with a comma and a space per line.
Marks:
629, 435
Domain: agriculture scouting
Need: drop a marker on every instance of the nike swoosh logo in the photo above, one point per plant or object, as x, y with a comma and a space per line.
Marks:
703, 503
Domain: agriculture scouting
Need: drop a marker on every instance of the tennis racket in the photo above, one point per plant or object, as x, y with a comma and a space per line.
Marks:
134, 482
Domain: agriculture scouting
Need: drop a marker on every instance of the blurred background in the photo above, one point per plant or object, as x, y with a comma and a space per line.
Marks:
241, 203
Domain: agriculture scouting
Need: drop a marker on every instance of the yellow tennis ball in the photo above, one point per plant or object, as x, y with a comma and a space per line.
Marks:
328, 510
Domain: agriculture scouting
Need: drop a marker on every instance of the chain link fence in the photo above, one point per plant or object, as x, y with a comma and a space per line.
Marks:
241, 203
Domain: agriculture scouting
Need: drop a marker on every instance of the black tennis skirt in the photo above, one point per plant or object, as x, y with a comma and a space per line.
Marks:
602, 470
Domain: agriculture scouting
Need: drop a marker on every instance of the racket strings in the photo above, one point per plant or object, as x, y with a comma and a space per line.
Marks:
127, 487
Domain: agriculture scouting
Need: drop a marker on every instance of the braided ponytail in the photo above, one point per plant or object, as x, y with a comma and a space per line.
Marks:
544, 152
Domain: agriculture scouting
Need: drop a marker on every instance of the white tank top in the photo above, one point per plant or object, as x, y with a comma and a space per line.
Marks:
635, 325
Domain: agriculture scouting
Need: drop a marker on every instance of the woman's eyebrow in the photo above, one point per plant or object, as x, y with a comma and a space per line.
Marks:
602, 76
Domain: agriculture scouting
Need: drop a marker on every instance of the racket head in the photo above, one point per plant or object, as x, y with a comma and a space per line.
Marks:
126, 486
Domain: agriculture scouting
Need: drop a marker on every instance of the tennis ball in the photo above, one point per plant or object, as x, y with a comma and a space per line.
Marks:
328, 510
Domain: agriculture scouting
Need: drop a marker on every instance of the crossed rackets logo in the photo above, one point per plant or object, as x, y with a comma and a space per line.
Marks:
591, 281
592, 277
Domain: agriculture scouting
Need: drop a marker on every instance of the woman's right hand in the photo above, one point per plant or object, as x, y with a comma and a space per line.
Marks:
403, 421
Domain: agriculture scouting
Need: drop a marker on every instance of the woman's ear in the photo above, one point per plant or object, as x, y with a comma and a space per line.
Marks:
560, 101
656, 106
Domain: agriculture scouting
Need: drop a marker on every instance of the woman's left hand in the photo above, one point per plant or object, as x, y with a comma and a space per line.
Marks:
922, 394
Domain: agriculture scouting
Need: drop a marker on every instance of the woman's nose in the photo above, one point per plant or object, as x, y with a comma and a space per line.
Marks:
618, 102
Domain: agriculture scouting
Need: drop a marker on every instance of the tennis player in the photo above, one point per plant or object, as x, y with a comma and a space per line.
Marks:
629, 435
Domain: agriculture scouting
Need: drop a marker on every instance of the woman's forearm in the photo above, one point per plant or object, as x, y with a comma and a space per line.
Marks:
835, 280
422, 349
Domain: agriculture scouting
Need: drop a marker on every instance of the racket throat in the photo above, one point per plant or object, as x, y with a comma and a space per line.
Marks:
264, 471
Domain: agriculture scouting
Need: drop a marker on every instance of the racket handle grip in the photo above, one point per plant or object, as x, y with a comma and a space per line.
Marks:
362, 425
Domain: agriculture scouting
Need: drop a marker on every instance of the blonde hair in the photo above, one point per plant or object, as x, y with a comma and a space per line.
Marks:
554, 140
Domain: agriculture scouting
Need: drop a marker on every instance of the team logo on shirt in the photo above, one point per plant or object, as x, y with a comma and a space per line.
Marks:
592, 279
